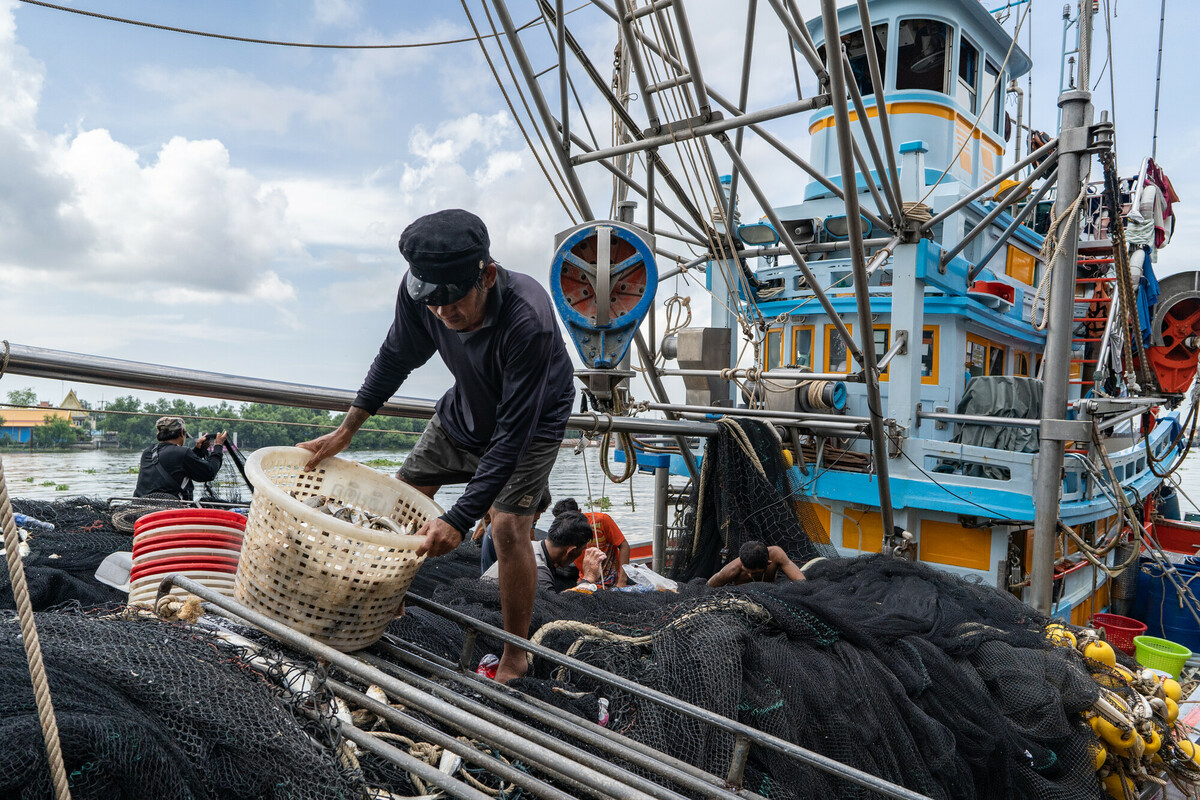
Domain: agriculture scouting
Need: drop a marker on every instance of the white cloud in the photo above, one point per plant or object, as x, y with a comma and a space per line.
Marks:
336, 12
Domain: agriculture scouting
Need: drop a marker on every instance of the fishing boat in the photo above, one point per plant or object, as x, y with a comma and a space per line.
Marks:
955, 347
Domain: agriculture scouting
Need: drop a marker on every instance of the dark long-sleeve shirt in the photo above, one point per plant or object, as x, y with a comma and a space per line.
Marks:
512, 381
168, 468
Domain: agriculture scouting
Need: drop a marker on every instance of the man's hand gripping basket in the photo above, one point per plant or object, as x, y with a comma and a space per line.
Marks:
331, 579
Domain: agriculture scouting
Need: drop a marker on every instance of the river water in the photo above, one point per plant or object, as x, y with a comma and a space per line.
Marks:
113, 473
107, 473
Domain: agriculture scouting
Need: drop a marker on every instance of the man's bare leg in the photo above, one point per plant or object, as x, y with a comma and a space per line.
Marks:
518, 585
428, 491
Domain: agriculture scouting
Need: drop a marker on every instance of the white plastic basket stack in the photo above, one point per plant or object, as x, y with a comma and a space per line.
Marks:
330, 579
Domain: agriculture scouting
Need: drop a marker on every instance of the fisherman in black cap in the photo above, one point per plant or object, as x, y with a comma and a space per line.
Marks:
168, 468
499, 426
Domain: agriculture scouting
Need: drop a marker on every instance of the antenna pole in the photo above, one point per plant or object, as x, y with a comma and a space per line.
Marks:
1056, 430
1162, 18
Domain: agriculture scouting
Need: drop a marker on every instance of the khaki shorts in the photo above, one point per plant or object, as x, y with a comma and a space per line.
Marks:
438, 460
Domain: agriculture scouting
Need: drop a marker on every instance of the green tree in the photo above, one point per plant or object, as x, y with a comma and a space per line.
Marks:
57, 432
23, 397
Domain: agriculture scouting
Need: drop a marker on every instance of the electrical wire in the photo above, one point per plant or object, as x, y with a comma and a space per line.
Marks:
275, 43
936, 483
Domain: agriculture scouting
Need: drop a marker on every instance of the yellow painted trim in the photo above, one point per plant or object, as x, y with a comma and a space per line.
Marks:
822, 514
952, 544
935, 330
988, 346
911, 107
862, 530
1020, 265
883, 376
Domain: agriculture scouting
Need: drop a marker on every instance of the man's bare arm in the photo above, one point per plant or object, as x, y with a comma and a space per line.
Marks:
335, 441
780, 560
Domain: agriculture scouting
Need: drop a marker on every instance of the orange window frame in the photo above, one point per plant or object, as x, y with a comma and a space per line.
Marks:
883, 376
766, 355
1022, 361
830, 332
933, 331
798, 330
989, 347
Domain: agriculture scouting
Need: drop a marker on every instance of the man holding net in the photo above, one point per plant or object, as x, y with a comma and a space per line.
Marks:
499, 426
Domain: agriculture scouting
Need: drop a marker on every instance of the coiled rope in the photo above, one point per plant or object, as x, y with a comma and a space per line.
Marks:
29, 637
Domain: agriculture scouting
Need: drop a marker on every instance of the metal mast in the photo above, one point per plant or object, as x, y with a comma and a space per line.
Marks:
1074, 164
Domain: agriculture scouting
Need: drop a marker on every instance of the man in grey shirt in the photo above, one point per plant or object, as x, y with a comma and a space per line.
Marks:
555, 555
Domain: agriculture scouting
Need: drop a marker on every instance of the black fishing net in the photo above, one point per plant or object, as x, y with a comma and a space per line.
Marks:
916, 676
743, 493
148, 709
61, 564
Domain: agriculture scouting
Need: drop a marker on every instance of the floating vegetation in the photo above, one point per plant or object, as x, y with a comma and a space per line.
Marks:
132, 471
383, 462
30, 479
47, 483
602, 503
61, 487
91, 471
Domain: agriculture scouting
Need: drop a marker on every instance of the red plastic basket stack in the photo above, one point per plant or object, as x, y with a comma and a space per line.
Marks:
1119, 631
200, 543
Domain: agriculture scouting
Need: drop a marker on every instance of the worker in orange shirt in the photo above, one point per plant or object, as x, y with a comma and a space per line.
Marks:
608, 537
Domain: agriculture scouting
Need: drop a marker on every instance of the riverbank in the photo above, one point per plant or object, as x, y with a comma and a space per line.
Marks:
113, 473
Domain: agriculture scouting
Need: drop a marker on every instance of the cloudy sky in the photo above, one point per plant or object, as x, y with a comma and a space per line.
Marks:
235, 207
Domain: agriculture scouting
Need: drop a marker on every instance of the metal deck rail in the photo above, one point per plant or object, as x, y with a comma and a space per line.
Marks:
558, 758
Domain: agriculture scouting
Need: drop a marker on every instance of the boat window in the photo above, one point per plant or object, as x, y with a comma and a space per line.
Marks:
929, 355
837, 357
984, 357
856, 52
996, 358
774, 351
924, 51
802, 346
883, 340
1021, 364
967, 89
976, 358
991, 78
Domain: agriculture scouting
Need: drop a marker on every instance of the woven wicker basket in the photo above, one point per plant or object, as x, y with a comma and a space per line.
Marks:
337, 582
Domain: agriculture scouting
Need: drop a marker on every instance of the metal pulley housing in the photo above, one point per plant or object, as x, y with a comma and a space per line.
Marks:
1174, 331
603, 278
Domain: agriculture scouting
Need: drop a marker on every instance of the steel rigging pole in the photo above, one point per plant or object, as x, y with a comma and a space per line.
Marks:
1056, 430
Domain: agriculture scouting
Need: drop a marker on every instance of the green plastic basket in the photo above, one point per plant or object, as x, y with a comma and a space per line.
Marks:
1156, 653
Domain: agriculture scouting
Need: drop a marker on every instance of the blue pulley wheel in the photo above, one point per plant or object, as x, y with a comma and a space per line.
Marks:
603, 280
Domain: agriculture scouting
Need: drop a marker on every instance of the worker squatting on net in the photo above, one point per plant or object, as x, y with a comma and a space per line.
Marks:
756, 562
607, 536
556, 555
169, 468
499, 426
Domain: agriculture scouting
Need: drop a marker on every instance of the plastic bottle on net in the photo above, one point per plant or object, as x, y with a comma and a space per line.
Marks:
31, 524
487, 665
602, 719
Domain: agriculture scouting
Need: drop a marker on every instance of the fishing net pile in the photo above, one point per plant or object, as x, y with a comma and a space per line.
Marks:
744, 493
61, 563
916, 676
149, 709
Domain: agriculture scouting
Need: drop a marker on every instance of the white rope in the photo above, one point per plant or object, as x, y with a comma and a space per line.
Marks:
1051, 247
33, 647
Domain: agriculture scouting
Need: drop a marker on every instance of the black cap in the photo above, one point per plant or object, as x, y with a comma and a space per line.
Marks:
446, 251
